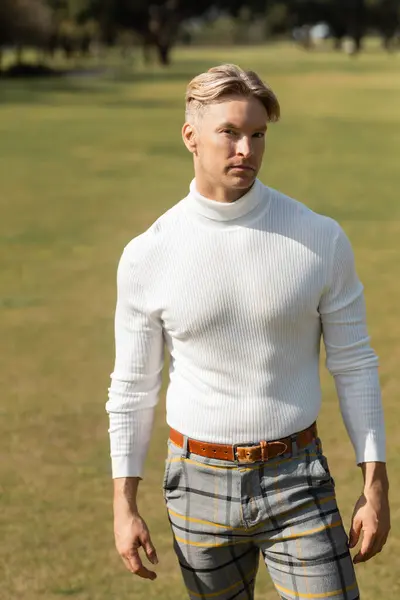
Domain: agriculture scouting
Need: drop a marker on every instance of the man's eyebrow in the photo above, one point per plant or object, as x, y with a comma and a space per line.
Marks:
228, 125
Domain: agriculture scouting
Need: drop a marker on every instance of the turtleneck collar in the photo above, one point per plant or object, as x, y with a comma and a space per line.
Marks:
225, 211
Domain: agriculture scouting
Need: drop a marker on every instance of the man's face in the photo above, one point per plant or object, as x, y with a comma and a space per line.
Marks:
230, 142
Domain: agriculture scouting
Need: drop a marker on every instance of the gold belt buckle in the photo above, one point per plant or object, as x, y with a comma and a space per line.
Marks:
251, 453
247, 453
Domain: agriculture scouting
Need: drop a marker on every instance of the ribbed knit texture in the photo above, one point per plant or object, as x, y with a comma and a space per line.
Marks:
240, 293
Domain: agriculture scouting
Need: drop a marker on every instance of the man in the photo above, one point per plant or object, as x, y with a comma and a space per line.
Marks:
239, 281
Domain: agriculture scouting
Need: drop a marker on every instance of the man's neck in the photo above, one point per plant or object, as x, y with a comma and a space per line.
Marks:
218, 193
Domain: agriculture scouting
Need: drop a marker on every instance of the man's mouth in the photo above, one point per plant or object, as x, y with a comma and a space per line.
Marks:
242, 167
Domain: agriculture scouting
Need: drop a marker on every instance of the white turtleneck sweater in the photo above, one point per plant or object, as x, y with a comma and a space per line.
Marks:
240, 294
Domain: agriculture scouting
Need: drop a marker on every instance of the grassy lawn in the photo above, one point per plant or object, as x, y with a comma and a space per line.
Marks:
85, 165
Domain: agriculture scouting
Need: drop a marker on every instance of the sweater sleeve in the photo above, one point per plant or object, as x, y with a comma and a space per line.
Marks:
136, 379
349, 356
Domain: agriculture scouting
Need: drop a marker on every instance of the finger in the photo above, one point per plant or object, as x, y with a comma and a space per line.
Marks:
134, 561
147, 544
385, 539
370, 546
355, 531
376, 548
370, 538
136, 566
127, 564
146, 574
362, 558
150, 550
142, 572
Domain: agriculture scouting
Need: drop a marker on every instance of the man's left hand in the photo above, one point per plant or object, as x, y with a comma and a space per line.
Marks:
371, 516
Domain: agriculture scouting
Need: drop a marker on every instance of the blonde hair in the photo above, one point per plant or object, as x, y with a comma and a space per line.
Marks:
226, 80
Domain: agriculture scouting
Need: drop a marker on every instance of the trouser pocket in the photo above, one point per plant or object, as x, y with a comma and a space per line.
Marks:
172, 472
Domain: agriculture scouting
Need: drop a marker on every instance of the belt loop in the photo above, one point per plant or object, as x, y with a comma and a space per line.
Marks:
185, 450
264, 450
295, 449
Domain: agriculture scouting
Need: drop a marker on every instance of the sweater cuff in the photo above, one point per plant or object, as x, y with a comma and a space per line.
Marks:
130, 439
373, 448
127, 466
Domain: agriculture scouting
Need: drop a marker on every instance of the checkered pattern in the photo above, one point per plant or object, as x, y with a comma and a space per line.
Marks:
224, 516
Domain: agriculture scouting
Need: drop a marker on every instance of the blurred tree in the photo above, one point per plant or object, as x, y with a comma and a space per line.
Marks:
157, 22
278, 18
385, 16
24, 22
346, 18
77, 10
75, 26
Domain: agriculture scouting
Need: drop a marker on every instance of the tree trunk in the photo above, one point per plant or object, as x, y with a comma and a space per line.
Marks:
337, 43
19, 54
164, 53
147, 46
358, 42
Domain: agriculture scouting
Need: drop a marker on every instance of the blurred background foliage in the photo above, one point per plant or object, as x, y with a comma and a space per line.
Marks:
89, 27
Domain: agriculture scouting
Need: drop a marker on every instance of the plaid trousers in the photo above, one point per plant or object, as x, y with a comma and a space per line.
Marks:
225, 515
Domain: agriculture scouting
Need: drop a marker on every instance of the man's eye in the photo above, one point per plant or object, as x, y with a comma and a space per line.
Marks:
259, 134
228, 131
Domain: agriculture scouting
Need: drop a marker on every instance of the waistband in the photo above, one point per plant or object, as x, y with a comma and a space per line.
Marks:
247, 453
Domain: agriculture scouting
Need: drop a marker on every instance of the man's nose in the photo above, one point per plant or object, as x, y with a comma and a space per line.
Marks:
244, 147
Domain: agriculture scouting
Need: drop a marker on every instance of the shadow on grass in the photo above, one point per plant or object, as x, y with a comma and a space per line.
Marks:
35, 84
107, 90
65, 92
39, 90
68, 591
31, 84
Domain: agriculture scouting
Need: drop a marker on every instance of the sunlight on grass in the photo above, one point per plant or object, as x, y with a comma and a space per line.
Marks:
85, 166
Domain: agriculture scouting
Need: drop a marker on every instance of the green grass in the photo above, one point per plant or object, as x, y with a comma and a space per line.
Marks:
85, 165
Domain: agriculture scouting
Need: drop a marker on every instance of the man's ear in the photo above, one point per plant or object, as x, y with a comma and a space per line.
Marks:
189, 137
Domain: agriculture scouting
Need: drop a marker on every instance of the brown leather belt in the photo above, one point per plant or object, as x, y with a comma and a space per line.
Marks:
247, 453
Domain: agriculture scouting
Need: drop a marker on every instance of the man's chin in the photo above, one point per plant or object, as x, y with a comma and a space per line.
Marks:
242, 181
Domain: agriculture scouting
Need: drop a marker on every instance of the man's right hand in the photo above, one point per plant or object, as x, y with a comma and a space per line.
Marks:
130, 530
131, 533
